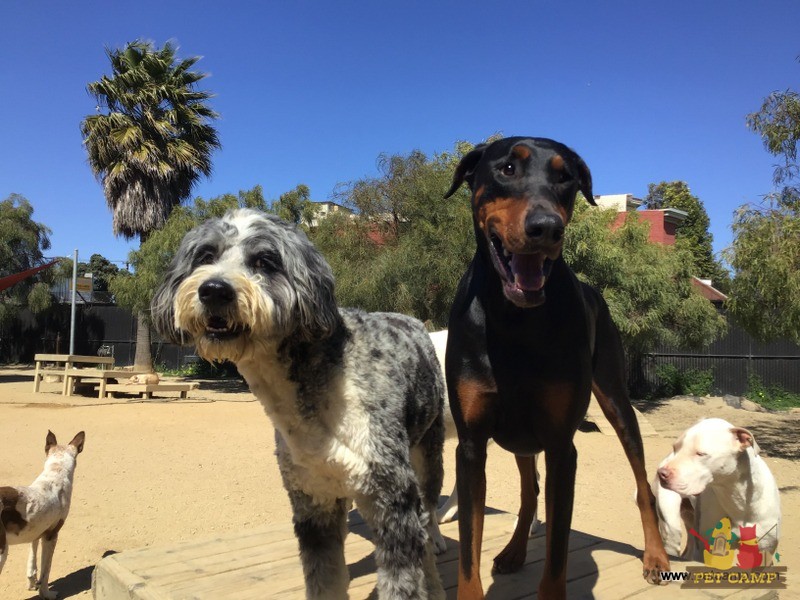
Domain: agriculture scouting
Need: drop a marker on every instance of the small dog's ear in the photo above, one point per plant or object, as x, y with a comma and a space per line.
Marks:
466, 169
745, 440
49, 441
78, 440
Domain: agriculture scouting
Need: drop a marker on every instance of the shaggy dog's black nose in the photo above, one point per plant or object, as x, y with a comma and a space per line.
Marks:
544, 228
216, 293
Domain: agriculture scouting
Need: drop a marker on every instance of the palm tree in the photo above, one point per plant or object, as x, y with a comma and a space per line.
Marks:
149, 143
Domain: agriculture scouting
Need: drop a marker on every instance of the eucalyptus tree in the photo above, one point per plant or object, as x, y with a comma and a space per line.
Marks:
149, 143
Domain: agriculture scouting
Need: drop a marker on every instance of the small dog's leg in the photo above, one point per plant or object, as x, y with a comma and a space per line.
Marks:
33, 579
48, 546
447, 512
512, 557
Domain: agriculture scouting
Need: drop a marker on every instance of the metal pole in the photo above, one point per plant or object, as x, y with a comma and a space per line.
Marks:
74, 293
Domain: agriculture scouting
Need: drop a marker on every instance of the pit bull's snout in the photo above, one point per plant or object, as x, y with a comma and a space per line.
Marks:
216, 294
664, 475
544, 228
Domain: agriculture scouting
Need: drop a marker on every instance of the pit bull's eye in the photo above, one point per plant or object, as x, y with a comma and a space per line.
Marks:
698, 453
508, 169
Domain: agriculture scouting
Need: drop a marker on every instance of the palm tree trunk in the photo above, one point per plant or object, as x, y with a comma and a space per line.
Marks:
143, 360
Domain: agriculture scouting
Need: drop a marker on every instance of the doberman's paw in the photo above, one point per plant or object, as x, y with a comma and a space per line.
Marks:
655, 563
510, 559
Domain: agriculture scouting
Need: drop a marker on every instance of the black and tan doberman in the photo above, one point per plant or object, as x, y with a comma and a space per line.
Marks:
527, 344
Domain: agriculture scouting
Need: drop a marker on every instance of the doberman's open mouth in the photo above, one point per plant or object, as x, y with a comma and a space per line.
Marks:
523, 275
219, 329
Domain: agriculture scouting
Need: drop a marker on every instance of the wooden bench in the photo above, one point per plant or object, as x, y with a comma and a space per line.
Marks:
146, 389
105, 376
60, 364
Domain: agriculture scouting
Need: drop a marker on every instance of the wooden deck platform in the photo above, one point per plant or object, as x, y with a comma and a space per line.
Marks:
263, 563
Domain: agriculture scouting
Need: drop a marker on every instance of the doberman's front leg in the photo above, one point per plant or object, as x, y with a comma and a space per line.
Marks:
471, 482
562, 462
619, 412
512, 557
612, 394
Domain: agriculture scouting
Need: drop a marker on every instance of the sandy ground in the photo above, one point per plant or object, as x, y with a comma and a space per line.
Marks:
161, 471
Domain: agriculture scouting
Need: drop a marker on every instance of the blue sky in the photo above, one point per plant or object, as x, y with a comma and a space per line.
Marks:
312, 92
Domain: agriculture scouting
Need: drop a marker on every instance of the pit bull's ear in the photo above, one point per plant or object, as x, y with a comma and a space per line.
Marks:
466, 169
49, 441
745, 440
78, 440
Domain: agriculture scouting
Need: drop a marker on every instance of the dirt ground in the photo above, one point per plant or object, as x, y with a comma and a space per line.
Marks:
165, 470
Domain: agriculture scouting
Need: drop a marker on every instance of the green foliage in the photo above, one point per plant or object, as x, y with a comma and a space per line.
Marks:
647, 286
773, 397
406, 248
22, 244
693, 233
692, 382
202, 369
765, 256
151, 139
778, 124
296, 206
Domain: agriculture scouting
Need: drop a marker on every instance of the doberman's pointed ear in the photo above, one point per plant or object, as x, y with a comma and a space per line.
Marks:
585, 180
466, 168
49, 441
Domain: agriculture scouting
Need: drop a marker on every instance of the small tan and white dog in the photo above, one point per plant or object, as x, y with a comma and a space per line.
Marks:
37, 512
715, 471
144, 378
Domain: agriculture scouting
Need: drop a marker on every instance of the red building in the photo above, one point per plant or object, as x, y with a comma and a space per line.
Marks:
663, 225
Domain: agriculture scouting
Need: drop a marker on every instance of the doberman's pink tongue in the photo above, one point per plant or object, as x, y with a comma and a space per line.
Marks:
528, 270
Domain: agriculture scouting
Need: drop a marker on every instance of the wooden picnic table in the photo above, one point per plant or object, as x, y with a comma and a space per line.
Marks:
74, 368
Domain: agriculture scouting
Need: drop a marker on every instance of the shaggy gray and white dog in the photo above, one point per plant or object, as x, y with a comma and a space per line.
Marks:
356, 398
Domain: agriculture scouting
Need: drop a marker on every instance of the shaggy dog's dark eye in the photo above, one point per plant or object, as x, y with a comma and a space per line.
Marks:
508, 169
267, 263
205, 256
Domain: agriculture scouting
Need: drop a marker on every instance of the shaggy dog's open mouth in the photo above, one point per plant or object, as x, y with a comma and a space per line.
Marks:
220, 329
523, 274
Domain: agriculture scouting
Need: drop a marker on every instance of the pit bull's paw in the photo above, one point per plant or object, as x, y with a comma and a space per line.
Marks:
654, 563
48, 594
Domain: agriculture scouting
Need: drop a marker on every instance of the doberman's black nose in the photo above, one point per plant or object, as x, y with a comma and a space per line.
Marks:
216, 293
544, 227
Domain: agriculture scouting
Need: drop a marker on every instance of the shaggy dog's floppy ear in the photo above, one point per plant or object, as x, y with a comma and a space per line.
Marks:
162, 307
318, 315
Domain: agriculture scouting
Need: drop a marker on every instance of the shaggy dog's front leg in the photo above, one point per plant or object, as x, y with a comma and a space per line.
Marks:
403, 551
320, 531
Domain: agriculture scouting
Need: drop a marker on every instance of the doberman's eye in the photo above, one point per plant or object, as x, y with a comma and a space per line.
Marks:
562, 176
508, 169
